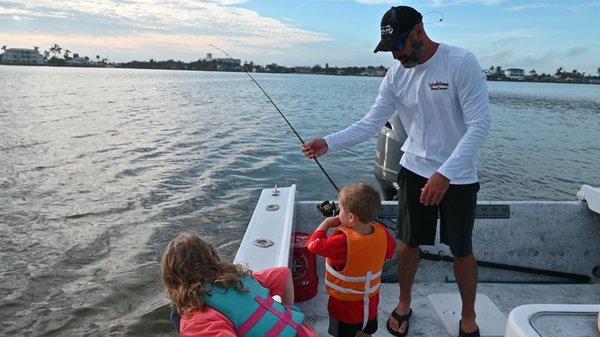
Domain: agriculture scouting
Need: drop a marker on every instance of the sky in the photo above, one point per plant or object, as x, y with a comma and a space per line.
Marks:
540, 35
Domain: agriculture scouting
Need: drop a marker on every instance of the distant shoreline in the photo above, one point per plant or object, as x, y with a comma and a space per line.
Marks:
490, 79
542, 81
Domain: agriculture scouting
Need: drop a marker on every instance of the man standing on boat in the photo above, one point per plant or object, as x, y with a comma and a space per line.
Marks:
440, 94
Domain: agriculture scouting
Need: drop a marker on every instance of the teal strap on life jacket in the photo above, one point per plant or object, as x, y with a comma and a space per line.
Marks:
255, 313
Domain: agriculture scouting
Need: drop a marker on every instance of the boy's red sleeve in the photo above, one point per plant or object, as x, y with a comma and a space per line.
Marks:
333, 247
391, 245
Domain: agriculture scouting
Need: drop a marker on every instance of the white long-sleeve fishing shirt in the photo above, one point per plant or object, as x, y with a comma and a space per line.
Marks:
444, 107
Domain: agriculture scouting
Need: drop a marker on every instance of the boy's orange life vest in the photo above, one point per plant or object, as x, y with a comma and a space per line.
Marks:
360, 278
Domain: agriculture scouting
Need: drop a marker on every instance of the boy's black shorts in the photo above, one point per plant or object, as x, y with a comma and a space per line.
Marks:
342, 329
417, 223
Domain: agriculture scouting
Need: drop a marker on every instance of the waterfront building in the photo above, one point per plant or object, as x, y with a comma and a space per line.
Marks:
225, 64
22, 56
79, 61
515, 74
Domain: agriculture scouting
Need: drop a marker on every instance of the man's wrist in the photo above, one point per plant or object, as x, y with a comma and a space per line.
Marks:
443, 176
327, 140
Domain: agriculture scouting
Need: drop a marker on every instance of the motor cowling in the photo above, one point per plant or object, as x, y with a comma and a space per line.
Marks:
387, 161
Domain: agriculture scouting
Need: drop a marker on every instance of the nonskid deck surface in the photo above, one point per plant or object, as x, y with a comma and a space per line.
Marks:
514, 290
538, 235
535, 236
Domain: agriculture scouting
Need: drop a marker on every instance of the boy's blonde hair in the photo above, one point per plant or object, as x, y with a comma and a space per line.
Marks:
361, 200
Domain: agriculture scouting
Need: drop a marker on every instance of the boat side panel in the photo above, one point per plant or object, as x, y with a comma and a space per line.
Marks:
560, 236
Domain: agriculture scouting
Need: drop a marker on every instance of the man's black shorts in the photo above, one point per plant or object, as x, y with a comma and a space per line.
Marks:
417, 222
342, 329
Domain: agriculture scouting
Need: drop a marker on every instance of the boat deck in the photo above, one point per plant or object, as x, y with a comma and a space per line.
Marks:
536, 236
437, 278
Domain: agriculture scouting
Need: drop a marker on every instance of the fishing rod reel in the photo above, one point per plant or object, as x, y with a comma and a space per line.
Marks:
328, 209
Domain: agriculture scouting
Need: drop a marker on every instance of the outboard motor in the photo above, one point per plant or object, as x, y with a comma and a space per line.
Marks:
387, 165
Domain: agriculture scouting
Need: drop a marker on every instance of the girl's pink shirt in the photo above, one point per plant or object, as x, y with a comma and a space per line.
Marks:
211, 323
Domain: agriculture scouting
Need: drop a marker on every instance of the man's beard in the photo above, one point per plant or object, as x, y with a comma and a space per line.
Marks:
411, 60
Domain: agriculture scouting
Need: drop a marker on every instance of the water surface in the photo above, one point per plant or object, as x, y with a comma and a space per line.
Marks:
100, 168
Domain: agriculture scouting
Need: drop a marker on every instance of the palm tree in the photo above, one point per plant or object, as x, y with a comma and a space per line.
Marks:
67, 52
4, 49
533, 73
559, 71
55, 49
598, 71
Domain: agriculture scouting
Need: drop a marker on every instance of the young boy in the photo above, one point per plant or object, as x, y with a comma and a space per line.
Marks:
355, 255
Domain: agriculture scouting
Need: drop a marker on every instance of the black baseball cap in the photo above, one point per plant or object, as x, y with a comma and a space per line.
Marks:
396, 25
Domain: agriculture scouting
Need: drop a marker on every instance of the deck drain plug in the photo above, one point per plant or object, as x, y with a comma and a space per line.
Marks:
263, 243
272, 207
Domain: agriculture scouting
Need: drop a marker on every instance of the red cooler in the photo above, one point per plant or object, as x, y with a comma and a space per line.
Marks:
304, 269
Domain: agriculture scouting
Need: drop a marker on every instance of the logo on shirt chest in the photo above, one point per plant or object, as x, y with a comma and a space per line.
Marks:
437, 85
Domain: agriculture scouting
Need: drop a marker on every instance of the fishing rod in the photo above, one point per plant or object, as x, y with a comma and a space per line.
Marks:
282, 115
578, 278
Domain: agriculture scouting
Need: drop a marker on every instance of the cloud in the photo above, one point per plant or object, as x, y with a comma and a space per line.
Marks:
154, 20
155, 45
576, 8
227, 2
23, 12
435, 3
530, 6
584, 7
376, 2
577, 51
443, 3
542, 62
185, 47
500, 37
546, 62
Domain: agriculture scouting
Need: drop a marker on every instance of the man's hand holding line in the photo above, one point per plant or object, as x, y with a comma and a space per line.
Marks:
315, 148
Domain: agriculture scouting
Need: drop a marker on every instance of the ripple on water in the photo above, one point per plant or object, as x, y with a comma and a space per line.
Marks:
88, 203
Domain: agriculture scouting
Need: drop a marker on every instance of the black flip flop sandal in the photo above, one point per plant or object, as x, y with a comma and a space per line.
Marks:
461, 333
400, 319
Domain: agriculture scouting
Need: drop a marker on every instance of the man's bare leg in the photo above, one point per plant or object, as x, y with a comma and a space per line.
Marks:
465, 271
408, 263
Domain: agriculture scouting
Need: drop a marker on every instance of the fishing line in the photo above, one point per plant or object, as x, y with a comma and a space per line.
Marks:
282, 115
436, 21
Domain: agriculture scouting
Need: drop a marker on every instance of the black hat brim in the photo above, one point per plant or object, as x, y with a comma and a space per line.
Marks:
388, 45
391, 43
